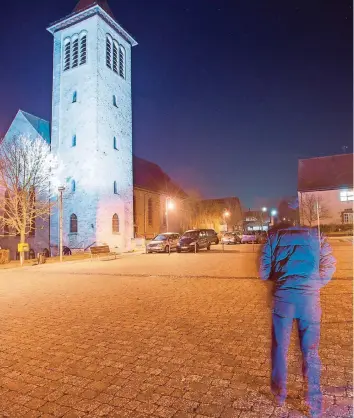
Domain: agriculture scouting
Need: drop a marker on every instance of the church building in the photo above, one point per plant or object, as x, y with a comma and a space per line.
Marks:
91, 135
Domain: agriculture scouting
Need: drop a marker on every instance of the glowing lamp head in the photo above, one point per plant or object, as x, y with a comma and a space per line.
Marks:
170, 204
273, 212
264, 209
227, 213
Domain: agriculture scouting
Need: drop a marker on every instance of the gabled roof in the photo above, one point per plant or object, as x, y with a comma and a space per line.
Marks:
85, 4
150, 176
325, 173
40, 125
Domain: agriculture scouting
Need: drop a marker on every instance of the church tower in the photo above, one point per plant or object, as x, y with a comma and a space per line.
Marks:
92, 127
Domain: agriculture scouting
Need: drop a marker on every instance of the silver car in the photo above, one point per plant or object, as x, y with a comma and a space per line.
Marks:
163, 243
230, 238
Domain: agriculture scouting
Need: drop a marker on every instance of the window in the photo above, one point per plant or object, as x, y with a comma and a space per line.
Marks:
347, 217
150, 211
115, 101
67, 47
75, 52
73, 223
346, 195
115, 224
108, 52
115, 57
115, 190
115, 144
74, 97
83, 49
122, 61
73, 141
73, 186
134, 209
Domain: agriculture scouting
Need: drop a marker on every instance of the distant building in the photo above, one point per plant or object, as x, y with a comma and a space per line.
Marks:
325, 187
256, 220
219, 214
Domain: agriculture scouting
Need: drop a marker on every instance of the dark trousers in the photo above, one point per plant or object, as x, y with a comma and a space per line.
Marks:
308, 317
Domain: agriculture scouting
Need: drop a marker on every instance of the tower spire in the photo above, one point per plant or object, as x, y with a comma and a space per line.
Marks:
86, 4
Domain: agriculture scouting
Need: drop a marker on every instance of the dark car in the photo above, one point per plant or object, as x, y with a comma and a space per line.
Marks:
163, 243
213, 236
193, 240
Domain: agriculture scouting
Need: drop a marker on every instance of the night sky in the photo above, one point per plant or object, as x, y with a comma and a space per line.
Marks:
227, 95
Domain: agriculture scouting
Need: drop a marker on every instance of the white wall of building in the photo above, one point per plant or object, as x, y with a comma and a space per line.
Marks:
93, 163
332, 201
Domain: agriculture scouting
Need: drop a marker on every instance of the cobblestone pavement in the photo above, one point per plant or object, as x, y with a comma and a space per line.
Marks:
182, 336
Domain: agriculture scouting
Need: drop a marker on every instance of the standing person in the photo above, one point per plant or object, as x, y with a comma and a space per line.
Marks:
299, 262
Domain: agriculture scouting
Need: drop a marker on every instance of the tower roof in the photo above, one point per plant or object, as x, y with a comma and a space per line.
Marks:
86, 4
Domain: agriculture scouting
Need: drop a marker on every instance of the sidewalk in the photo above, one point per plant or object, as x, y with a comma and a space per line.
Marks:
74, 258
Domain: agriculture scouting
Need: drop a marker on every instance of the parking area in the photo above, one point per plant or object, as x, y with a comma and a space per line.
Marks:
158, 335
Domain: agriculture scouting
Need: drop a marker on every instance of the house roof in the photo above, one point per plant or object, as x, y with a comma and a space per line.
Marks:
40, 125
325, 173
150, 176
85, 4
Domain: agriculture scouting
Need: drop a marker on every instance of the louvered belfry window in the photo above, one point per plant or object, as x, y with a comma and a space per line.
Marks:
83, 49
67, 55
75, 58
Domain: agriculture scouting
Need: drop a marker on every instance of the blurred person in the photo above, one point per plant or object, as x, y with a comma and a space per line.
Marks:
299, 262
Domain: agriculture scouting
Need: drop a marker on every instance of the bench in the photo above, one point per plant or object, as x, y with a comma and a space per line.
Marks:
102, 250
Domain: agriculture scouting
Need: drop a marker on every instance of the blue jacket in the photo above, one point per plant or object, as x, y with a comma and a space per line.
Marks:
297, 261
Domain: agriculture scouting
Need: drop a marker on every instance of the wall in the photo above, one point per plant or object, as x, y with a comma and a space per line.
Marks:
331, 200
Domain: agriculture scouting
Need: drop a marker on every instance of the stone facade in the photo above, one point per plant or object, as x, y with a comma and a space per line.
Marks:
97, 176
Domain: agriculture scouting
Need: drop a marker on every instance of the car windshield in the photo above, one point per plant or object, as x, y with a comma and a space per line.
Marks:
191, 234
229, 234
160, 237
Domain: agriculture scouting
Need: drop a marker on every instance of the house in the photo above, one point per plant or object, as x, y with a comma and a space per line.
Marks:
325, 190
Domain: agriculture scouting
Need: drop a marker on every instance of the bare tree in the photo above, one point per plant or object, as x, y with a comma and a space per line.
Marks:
26, 167
309, 205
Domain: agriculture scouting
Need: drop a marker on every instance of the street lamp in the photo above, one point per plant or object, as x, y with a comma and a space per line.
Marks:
61, 190
226, 215
264, 209
169, 206
273, 213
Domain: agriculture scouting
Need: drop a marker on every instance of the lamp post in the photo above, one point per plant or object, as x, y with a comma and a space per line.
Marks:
264, 209
226, 214
60, 190
169, 205
273, 213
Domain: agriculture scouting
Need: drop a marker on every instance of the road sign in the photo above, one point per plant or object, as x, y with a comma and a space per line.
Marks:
23, 247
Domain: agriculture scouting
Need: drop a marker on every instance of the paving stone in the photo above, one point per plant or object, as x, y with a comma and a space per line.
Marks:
150, 333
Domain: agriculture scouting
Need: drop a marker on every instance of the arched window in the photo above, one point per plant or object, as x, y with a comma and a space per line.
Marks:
75, 52
6, 213
115, 57
134, 209
115, 190
109, 52
115, 143
75, 97
73, 223
73, 186
83, 49
115, 224
150, 211
67, 54
114, 100
121, 61
73, 142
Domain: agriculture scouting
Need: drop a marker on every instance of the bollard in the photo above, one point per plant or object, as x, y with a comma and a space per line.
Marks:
169, 250
223, 247
195, 248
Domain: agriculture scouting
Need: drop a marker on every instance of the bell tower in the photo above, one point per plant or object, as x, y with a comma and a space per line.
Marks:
92, 127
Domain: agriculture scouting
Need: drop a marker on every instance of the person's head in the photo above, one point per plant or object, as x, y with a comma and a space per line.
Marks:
281, 225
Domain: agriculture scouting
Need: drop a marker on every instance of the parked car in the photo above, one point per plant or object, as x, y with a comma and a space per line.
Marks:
193, 240
230, 238
163, 243
249, 238
213, 236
